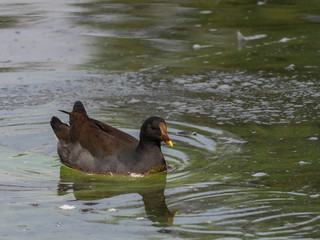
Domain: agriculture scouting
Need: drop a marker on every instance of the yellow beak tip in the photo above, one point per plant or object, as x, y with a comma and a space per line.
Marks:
169, 143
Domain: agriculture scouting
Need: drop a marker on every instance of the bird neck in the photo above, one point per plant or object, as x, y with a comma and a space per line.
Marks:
147, 156
148, 146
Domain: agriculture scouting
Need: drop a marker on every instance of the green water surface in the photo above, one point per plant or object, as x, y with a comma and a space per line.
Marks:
248, 167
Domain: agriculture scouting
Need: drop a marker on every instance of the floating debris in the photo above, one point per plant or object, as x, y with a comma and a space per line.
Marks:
206, 12
315, 196
249, 38
301, 163
136, 175
34, 204
285, 39
67, 207
313, 139
187, 133
234, 141
58, 224
260, 3
259, 174
90, 203
112, 210
133, 101
290, 67
198, 46
224, 87
243, 39
139, 218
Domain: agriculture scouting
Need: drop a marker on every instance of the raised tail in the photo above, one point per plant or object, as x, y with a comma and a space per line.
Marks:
61, 132
60, 129
78, 107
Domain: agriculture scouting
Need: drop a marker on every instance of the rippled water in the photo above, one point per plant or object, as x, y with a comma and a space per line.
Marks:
243, 117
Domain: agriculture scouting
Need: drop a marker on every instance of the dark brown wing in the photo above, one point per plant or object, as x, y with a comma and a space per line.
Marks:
125, 137
100, 139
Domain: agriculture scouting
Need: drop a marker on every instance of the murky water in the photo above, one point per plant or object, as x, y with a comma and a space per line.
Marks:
248, 167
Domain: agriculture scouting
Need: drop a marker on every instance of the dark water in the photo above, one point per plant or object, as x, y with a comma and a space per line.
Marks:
250, 170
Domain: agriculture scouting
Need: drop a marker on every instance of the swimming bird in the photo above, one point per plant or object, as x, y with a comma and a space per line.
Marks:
91, 146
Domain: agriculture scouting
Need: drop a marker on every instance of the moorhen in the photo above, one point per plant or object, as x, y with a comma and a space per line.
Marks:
91, 146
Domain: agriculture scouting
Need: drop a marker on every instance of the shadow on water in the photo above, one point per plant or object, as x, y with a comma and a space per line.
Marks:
93, 187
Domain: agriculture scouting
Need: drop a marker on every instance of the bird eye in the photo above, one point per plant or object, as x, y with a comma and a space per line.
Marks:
152, 127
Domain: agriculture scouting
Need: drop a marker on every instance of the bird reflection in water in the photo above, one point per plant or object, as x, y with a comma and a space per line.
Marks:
95, 187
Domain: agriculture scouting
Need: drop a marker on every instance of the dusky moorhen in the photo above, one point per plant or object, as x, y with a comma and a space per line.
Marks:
94, 147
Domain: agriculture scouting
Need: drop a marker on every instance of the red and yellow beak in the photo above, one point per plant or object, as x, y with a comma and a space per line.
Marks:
164, 135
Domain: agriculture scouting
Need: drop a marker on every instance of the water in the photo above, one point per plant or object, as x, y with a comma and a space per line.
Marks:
248, 167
